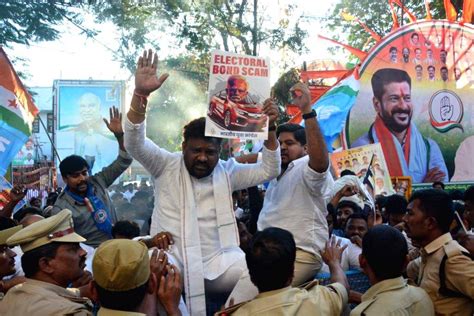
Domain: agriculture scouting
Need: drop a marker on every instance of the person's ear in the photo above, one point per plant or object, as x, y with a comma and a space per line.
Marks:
305, 148
377, 105
431, 223
183, 146
44, 265
363, 263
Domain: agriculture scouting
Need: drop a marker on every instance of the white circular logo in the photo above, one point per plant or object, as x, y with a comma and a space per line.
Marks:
446, 111
100, 216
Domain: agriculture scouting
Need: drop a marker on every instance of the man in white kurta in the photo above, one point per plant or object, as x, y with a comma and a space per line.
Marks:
296, 200
193, 193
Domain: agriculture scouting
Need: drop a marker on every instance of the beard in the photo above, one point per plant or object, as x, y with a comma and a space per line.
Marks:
391, 123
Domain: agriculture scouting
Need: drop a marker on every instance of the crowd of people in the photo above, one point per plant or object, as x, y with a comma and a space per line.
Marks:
204, 233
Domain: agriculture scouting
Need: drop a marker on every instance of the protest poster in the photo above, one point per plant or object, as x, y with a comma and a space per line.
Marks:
238, 86
358, 160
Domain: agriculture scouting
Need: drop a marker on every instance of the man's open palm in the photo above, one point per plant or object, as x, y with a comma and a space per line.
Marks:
146, 79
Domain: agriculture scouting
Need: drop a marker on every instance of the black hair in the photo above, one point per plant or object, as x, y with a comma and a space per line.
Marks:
347, 172
297, 131
18, 216
396, 204
419, 66
456, 195
122, 300
414, 34
381, 201
385, 250
271, 258
72, 164
393, 48
438, 204
431, 66
354, 206
196, 129
438, 182
51, 199
444, 67
6, 223
357, 216
385, 76
30, 259
127, 229
469, 194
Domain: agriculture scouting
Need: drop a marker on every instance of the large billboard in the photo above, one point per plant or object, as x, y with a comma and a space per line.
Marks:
415, 99
79, 109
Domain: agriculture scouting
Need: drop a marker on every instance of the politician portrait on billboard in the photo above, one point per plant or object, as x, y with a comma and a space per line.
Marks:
81, 108
415, 99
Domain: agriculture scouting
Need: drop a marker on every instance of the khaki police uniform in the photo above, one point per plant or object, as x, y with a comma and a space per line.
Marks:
394, 297
459, 272
4, 235
120, 265
35, 297
318, 300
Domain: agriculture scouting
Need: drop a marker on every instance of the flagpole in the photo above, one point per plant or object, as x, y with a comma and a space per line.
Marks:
47, 133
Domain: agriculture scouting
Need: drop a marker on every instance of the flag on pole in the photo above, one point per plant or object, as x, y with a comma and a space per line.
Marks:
369, 178
17, 112
334, 106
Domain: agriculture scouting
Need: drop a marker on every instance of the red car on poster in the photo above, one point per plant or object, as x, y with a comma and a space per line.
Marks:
246, 115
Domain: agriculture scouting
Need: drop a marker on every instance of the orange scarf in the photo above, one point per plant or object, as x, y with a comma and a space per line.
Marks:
389, 148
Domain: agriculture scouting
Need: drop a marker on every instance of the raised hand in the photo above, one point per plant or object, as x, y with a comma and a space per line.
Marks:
271, 110
301, 97
146, 79
333, 252
17, 193
170, 289
115, 124
162, 240
158, 262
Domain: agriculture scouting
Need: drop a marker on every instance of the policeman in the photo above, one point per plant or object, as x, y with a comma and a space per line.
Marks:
52, 259
444, 269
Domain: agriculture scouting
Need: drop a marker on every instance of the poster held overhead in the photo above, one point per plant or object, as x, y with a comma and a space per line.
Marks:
238, 86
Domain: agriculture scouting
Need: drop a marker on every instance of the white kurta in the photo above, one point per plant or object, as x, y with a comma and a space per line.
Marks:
167, 169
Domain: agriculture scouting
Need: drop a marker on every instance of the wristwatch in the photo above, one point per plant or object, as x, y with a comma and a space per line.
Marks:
309, 115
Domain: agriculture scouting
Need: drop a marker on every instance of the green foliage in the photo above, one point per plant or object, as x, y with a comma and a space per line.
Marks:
231, 25
177, 102
24, 21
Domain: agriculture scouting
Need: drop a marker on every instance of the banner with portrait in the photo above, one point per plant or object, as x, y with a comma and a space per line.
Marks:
238, 86
362, 160
415, 99
80, 107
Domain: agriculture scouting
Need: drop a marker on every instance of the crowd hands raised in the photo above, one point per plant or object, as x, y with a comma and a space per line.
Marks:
203, 232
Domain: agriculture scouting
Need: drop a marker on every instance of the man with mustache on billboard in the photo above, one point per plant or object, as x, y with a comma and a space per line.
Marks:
408, 153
